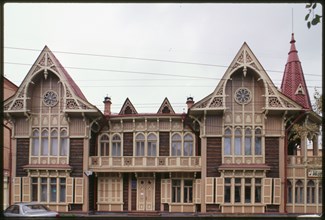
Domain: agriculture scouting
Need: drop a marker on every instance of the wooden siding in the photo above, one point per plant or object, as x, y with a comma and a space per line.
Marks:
272, 156
76, 157
22, 156
93, 144
125, 191
77, 127
134, 196
213, 208
164, 144
128, 144
21, 127
214, 125
273, 125
213, 156
158, 192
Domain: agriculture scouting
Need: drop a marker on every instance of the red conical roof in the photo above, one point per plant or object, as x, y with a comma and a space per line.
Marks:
293, 82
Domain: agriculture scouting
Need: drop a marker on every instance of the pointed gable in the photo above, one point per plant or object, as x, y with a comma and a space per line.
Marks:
166, 108
245, 61
293, 82
128, 108
47, 65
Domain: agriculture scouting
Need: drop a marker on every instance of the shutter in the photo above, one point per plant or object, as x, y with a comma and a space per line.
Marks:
26, 189
276, 191
267, 190
165, 191
197, 191
209, 190
78, 190
69, 191
17, 189
219, 190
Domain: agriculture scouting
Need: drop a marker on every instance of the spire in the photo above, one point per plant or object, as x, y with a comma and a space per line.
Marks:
293, 82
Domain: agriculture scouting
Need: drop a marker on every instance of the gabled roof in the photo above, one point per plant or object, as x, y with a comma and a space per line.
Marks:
128, 108
245, 59
166, 108
293, 82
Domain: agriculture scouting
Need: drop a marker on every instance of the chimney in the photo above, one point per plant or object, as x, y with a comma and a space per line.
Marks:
107, 105
189, 102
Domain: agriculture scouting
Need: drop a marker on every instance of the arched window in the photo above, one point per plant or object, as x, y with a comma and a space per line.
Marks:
289, 191
104, 145
238, 138
139, 145
35, 143
248, 141
299, 192
176, 145
310, 192
152, 145
45, 143
258, 142
63, 143
188, 145
227, 142
116, 146
54, 143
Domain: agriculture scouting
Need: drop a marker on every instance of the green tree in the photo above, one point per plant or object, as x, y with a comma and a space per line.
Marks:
312, 18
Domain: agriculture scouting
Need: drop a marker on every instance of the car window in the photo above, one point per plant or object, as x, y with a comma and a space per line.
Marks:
15, 209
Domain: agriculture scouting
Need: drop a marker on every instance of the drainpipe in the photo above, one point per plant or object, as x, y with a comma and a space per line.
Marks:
286, 158
10, 161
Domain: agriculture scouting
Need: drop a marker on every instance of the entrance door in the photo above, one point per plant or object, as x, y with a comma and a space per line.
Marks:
146, 194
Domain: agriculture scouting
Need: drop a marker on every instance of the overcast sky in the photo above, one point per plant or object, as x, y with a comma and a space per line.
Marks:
121, 50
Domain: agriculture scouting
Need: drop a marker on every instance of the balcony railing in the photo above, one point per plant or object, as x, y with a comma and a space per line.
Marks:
308, 161
133, 164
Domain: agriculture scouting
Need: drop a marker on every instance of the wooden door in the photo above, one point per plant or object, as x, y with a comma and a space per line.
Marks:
146, 194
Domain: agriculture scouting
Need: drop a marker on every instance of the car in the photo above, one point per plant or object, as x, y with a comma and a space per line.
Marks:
310, 216
29, 209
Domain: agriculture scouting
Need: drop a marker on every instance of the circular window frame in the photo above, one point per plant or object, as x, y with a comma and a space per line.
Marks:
46, 100
239, 93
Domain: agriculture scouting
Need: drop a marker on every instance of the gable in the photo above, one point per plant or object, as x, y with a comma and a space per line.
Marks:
166, 108
128, 108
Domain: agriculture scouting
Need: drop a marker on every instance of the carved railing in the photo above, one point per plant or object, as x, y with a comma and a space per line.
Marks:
308, 161
117, 164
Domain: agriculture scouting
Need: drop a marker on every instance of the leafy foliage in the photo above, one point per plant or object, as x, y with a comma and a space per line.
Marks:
318, 102
311, 17
299, 131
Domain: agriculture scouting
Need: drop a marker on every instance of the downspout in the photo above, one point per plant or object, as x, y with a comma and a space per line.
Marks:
286, 158
10, 161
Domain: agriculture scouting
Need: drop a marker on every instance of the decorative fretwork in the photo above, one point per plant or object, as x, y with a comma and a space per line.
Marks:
204, 104
21, 94
49, 61
248, 58
217, 102
6, 107
241, 58
37, 68
71, 104
274, 102
83, 106
54, 68
19, 104
68, 93
270, 91
255, 66
220, 91
42, 62
287, 104
235, 65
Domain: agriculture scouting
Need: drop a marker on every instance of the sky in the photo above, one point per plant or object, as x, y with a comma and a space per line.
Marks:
147, 52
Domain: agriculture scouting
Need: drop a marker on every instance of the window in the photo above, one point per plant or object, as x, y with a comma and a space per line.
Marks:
45, 143
182, 191
49, 143
116, 146
188, 145
52, 189
104, 145
289, 191
176, 191
258, 142
237, 190
238, 137
176, 145
258, 190
62, 189
188, 191
227, 190
310, 192
320, 193
248, 190
35, 143
227, 142
139, 140
54, 143
152, 145
34, 189
43, 189
299, 192
248, 141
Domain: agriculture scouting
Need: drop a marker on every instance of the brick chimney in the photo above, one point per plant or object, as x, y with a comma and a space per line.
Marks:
107, 105
189, 102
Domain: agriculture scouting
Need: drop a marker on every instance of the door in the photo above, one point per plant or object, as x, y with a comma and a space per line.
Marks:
146, 194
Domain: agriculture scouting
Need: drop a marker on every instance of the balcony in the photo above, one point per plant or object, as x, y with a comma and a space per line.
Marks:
144, 164
313, 161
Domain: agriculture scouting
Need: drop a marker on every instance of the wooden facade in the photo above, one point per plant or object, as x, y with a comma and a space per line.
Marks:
227, 154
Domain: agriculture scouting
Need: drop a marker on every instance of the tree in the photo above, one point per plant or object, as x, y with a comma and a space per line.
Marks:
312, 18
318, 102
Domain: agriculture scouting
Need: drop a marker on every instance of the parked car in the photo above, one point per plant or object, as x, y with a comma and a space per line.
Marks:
29, 209
310, 216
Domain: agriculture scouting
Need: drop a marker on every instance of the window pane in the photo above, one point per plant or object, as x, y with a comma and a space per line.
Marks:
116, 148
176, 191
248, 142
45, 144
188, 145
34, 189
43, 189
258, 142
54, 143
227, 190
237, 190
248, 190
176, 145
64, 143
188, 191
238, 142
227, 146
62, 190
289, 197
53, 190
